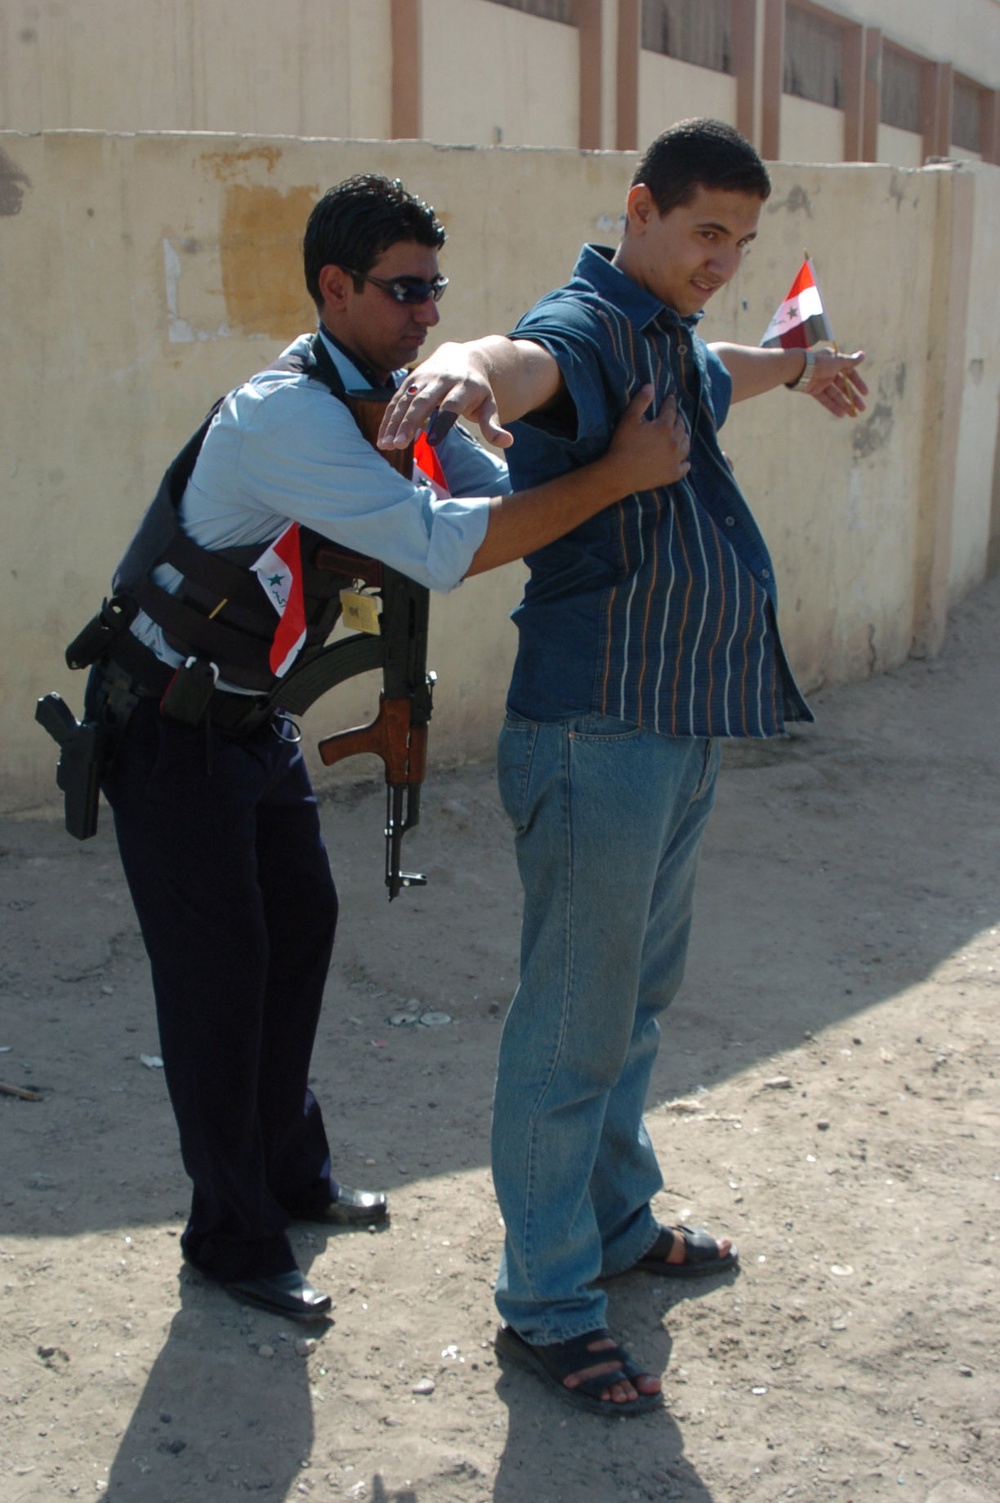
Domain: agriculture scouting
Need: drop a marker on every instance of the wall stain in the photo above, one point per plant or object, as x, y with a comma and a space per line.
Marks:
12, 185
260, 248
226, 165
898, 189
892, 380
796, 201
873, 657
874, 433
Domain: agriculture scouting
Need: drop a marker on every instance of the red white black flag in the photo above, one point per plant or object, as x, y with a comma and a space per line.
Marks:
800, 321
279, 570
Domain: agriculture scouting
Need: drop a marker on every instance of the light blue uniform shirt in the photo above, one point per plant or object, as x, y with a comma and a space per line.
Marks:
282, 449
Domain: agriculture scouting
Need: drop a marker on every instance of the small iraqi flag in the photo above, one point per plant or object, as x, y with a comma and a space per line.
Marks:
427, 467
800, 321
279, 570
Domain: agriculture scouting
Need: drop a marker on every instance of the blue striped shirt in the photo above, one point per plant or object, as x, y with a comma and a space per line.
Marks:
661, 610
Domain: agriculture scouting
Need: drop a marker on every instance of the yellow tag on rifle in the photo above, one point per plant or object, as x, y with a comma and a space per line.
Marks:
360, 612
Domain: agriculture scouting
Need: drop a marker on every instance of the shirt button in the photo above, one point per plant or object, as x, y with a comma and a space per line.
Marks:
765, 574
730, 521
682, 349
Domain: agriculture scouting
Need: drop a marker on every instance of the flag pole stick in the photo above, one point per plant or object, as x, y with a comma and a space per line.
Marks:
841, 381
845, 385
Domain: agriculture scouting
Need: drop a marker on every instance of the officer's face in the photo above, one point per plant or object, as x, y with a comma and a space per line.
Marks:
383, 332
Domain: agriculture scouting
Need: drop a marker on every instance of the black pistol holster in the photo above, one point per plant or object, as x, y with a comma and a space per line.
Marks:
85, 746
81, 762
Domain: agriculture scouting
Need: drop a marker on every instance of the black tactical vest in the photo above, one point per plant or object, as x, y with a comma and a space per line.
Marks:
220, 613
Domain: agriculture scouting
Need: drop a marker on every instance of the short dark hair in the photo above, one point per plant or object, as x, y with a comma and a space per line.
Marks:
697, 154
354, 222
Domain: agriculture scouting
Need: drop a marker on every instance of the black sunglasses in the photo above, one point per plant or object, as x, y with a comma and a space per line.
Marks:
405, 289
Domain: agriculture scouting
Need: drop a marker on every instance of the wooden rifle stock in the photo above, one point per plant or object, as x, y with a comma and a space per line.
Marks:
402, 747
398, 734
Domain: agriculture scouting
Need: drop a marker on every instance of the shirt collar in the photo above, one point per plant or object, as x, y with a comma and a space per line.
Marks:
353, 372
640, 307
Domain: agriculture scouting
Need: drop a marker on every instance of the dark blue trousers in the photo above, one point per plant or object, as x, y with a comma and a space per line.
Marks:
221, 845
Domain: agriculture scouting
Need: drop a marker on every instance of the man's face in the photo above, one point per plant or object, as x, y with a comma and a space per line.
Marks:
382, 332
684, 256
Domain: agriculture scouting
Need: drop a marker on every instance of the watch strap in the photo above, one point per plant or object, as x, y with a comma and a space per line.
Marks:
805, 380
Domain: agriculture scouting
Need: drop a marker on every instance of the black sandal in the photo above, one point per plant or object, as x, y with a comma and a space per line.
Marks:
701, 1255
555, 1363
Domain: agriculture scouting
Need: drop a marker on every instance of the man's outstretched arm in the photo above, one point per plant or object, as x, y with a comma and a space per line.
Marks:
834, 379
489, 381
493, 378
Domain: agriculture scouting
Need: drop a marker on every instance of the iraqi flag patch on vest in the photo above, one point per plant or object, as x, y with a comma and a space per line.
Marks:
279, 570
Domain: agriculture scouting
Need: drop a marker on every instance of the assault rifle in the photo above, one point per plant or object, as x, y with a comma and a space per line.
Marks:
398, 734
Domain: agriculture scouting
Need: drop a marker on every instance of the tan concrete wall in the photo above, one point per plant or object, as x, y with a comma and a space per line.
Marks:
609, 74
301, 68
492, 74
979, 377
839, 502
900, 148
810, 132
143, 275
966, 32
670, 90
324, 67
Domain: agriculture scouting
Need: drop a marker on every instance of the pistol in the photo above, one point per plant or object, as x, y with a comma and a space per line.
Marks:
81, 759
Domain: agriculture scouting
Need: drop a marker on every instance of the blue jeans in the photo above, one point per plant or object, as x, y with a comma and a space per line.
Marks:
608, 820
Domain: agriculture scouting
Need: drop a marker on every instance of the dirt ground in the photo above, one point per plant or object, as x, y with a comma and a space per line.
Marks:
826, 1094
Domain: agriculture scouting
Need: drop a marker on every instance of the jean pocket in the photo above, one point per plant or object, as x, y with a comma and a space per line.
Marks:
602, 728
710, 768
515, 749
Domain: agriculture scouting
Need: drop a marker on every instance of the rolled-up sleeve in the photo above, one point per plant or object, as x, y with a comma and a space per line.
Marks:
471, 470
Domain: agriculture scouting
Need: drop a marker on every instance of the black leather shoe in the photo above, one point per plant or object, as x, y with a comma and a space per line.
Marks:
353, 1208
285, 1294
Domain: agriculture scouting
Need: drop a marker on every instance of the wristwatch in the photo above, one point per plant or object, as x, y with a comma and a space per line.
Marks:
802, 384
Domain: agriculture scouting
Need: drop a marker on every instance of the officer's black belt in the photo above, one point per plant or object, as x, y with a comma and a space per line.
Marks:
236, 714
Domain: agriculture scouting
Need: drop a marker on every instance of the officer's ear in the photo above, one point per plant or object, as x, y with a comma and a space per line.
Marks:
336, 286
